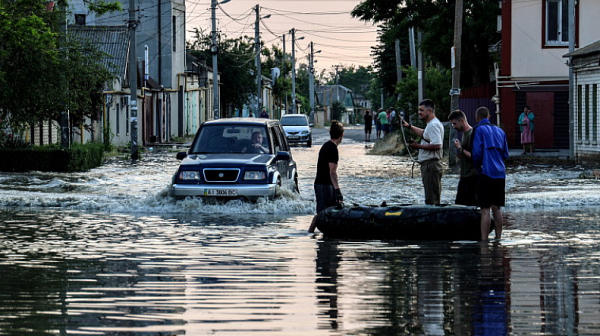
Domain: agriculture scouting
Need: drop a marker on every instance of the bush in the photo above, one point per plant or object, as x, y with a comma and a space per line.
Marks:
80, 157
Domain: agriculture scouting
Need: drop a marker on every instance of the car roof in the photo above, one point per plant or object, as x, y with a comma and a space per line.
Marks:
243, 121
293, 116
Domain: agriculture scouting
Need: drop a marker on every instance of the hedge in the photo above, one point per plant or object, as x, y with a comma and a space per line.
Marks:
53, 159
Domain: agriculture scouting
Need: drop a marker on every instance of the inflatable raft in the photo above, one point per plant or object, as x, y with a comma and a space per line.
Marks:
410, 222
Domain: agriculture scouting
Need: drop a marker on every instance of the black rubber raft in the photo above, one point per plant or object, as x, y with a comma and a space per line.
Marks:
410, 222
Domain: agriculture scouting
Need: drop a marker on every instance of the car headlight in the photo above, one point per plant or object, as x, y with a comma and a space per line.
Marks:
189, 175
305, 132
255, 175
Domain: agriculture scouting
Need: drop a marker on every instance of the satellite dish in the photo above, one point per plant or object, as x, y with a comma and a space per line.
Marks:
275, 72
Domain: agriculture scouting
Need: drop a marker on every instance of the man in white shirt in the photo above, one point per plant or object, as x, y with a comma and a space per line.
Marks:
430, 151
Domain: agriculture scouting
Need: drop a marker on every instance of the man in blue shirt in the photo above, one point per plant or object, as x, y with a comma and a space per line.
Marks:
490, 149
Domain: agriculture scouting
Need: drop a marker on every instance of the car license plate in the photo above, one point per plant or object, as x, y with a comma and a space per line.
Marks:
220, 192
294, 137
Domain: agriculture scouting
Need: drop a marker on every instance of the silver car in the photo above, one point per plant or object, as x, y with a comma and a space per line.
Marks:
297, 128
244, 158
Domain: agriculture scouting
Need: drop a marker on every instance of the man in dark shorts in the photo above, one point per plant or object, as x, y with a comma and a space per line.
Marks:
466, 193
327, 189
368, 125
490, 149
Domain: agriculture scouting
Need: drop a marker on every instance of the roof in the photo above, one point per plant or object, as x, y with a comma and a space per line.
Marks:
587, 50
112, 40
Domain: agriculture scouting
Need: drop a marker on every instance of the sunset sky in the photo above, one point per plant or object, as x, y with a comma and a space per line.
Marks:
342, 39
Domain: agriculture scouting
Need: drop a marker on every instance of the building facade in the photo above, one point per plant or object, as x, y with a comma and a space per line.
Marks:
172, 98
533, 72
586, 68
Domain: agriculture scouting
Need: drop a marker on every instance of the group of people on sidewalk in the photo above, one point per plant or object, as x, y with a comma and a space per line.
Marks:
482, 153
385, 122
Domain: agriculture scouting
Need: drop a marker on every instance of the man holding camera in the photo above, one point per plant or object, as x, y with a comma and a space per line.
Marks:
430, 150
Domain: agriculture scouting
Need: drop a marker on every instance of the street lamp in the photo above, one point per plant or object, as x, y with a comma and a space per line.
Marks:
214, 50
293, 32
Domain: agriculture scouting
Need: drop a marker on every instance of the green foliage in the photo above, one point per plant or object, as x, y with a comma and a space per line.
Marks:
336, 110
48, 72
101, 7
436, 19
438, 82
235, 59
108, 135
80, 157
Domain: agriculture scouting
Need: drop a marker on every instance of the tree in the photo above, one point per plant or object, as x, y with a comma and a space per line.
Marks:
434, 17
274, 58
48, 73
236, 66
356, 79
437, 80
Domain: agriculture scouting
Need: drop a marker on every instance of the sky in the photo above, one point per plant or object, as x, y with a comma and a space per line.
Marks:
343, 40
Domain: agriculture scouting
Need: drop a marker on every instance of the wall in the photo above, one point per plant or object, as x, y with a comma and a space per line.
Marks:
529, 59
587, 115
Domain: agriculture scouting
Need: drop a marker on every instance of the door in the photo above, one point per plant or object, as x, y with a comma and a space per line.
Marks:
542, 106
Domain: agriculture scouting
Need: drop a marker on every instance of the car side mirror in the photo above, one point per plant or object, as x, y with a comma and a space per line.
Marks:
311, 125
181, 155
282, 156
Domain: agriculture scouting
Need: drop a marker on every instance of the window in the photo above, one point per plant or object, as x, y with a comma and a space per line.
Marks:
595, 113
80, 19
118, 121
174, 33
587, 113
579, 112
556, 23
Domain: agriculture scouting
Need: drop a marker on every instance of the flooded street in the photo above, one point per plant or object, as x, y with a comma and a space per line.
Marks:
108, 252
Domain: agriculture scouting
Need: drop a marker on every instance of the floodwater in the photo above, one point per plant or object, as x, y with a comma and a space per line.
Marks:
107, 252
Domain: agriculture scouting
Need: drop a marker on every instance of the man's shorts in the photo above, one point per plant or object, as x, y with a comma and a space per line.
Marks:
325, 196
466, 193
490, 192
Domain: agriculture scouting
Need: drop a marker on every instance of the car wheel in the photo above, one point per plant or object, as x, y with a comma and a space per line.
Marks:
309, 142
278, 188
296, 189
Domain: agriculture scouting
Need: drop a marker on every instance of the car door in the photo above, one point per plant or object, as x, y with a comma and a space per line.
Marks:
280, 145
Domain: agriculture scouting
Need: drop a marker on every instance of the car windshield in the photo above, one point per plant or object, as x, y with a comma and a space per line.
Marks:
294, 121
215, 139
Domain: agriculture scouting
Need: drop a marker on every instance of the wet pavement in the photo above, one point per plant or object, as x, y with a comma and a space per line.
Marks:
108, 252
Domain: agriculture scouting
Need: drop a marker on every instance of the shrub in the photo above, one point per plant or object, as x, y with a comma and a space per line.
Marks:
80, 157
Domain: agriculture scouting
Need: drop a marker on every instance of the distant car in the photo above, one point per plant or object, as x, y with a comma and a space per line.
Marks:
246, 158
297, 128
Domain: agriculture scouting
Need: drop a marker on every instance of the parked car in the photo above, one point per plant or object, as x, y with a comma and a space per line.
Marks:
297, 128
246, 158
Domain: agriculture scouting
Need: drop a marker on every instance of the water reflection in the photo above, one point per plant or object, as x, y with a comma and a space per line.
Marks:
397, 288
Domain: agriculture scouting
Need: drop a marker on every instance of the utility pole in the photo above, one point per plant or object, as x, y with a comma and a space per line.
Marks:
311, 78
455, 56
411, 42
214, 50
398, 64
421, 67
65, 134
258, 69
571, 13
293, 32
133, 85
284, 73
